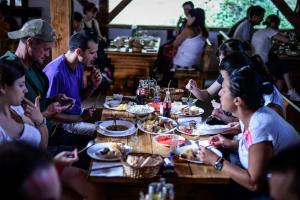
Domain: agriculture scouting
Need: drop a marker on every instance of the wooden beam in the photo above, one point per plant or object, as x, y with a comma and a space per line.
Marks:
102, 17
61, 21
288, 13
118, 9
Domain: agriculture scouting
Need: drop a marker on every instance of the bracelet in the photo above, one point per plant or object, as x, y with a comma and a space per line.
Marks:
39, 124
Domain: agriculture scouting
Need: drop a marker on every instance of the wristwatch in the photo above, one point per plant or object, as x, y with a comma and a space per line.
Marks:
44, 122
219, 164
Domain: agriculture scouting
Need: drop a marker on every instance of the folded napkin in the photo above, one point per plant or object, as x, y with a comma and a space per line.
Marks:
108, 172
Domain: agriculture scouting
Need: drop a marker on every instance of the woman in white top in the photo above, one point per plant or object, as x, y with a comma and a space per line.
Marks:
15, 123
28, 125
261, 45
189, 44
264, 131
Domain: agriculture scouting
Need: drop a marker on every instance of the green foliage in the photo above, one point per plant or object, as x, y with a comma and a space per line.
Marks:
224, 13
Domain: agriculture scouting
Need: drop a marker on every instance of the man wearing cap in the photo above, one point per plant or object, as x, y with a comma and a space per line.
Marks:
36, 38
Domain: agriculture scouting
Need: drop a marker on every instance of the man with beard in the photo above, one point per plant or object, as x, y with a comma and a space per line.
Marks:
65, 74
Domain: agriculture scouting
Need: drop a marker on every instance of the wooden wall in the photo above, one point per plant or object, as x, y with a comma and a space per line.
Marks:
61, 20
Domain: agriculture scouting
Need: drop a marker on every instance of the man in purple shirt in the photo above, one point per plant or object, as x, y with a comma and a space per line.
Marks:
65, 74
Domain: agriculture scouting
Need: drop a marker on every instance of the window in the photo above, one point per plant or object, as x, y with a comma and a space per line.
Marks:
219, 13
17, 3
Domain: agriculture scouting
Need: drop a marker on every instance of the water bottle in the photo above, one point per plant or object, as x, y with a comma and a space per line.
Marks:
167, 105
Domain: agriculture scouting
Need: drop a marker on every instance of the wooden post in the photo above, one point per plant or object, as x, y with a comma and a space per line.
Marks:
61, 21
102, 17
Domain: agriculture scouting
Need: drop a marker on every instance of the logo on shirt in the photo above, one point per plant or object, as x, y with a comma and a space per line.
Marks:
248, 138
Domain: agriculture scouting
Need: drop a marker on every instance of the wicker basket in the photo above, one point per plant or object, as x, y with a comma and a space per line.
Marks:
141, 172
175, 93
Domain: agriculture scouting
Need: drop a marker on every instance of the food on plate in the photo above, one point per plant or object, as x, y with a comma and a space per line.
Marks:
193, 110
191, 154
155, 105
117, 128
155, 124
140, 109
167, 139
112, 151
122, 106
189, 127
143, 161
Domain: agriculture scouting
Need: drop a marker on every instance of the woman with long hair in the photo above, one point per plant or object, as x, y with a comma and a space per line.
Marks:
190, 43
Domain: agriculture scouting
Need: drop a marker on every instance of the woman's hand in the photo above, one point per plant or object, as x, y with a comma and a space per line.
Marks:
66, 158
191, 86
235, 128
32, 111
207, 156
219, 141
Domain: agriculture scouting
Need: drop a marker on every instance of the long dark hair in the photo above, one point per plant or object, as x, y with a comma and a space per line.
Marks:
198, 25
232, 45
239, 86
9, 72
237, 60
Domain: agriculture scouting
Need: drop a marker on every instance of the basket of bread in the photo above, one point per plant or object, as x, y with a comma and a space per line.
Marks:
175, 93
141, 165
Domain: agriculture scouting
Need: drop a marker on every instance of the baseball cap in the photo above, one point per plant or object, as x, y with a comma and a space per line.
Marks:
36, 28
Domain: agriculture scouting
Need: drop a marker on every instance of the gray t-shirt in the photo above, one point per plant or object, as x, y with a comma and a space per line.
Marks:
243, 31
266, 125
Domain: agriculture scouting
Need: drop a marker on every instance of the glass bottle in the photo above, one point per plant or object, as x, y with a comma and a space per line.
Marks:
167, 105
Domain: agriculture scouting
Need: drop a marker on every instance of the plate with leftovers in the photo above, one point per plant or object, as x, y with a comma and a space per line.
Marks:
140, 110
166, 139
157, 125
108, 151
189, 128
190, 152
190, 111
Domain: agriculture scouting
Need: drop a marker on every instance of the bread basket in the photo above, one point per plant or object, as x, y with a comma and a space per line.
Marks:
175, 93
138, 171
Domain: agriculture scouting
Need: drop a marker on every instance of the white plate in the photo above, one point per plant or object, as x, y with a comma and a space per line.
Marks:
180, 138
194, 133
181, 150
106, 124
95, 148
205, 129
200, 112
109, 134
140, 124
106, 105
140, 110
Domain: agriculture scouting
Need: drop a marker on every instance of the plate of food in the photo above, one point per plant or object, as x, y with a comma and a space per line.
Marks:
157, 125
190, 111
116, 105
140, 110
123, 128
188, 127
108, 151
206, 129
190, 152
166, 139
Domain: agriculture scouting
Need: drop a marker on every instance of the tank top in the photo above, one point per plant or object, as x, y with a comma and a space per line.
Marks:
189, 51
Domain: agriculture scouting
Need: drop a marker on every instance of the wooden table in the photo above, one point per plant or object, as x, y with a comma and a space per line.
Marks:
130, 67
199, 178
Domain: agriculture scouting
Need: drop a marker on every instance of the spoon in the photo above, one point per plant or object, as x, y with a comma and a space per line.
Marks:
89, 144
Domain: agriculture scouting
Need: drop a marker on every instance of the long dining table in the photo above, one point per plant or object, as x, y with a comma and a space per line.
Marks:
201, 179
